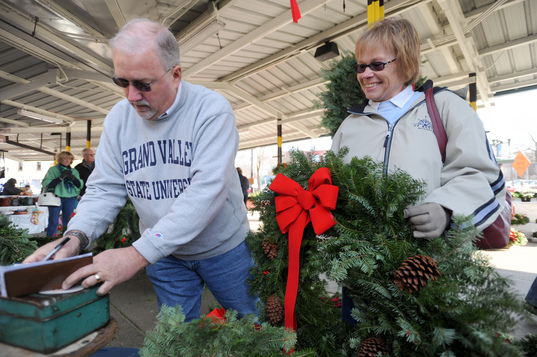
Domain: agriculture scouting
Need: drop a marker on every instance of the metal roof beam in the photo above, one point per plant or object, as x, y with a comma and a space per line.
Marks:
508, 45
28, 85
353, 24
453, 13
269, 27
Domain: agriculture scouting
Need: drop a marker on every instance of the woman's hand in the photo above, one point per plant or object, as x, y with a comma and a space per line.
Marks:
429, 219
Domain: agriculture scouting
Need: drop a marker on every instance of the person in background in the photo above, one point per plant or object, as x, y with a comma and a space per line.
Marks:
531, 298
65, 182
27, 190
170, 148
393, 126
86, 167
245, 184
10, 189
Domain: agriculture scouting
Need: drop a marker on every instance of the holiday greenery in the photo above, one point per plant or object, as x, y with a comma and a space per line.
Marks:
215, 337
343, 92
15, 243
123, 231
456, 311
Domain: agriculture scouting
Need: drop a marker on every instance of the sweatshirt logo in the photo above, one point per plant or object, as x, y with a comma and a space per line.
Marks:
158, 235
423, 124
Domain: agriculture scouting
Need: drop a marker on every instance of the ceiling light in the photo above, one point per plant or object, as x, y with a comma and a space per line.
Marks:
197, 36
327, 51
38, 116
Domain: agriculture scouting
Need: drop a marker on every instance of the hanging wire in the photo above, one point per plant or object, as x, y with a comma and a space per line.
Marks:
218, 37
344, 6
35, 26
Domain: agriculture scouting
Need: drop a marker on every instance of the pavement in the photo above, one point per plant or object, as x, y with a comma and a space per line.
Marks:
134, 303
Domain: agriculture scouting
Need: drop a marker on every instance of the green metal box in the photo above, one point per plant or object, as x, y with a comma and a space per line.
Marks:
45, 323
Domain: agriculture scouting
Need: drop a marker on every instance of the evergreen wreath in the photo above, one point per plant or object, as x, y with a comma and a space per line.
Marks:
456, 310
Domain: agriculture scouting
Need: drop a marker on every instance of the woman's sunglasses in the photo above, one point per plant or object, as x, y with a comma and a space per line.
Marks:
141, 86
374, 66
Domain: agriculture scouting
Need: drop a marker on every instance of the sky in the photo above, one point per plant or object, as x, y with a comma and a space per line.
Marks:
513, 116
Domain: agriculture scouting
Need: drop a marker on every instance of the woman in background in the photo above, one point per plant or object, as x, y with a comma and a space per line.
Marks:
10, 189
65, 182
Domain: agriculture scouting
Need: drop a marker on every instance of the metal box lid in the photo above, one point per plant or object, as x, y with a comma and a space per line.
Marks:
38, 306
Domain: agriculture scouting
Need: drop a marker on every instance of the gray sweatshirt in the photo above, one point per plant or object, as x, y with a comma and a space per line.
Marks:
178, 170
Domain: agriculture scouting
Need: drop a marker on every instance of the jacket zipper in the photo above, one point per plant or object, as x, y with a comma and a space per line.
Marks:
387, 147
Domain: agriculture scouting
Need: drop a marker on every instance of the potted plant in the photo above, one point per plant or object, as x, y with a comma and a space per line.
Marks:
525, 194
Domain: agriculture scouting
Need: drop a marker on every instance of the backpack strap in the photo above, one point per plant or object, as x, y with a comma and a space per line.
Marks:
438, 127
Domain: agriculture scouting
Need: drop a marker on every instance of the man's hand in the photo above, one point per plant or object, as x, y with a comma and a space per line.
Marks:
429, 219
112, 267
68, 250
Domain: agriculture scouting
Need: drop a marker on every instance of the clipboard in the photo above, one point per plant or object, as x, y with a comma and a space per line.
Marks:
24, 279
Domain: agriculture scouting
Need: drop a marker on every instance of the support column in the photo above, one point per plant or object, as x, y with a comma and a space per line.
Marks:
280, 156
375, 11
88, 134
68, 141
473, 91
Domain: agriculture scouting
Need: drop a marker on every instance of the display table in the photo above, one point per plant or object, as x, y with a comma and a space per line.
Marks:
36, 220
86, 346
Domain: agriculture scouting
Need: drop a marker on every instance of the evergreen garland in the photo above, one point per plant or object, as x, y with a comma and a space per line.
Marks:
204, 337
459, 314
15, 243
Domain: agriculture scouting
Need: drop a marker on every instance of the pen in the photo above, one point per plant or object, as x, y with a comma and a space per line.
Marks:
55, 250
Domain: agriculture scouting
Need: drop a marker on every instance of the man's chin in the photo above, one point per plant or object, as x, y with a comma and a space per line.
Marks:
147, 115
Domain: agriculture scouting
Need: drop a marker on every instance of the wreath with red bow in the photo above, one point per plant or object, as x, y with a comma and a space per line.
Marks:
345, 222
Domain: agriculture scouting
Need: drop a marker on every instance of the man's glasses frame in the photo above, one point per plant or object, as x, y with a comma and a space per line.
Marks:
141, 86
374, 66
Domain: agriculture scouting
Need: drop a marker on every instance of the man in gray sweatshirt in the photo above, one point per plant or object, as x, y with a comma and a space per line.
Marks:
170, 148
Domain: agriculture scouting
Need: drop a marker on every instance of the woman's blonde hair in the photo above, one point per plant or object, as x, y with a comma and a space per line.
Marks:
63, 154
399, 36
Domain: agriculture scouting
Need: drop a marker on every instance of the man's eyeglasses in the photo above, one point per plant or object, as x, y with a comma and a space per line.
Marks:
141, 86
374, 66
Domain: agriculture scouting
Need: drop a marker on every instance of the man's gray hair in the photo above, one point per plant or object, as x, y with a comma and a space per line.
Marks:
140, 31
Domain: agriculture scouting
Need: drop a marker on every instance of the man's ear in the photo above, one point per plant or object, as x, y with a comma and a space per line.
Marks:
177, 73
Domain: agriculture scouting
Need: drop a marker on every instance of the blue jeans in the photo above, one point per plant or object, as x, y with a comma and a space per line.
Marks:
346, 307
181, 282
67, 207
531, 297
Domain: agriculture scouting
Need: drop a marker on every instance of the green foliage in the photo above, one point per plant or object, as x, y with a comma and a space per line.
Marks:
457, 315
520, 219
204, 337
15, 243
528, 345
125, 230
343, 92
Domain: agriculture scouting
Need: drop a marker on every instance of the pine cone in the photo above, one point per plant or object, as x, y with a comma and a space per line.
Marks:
412, 276
274, 310
372, 346
270, 248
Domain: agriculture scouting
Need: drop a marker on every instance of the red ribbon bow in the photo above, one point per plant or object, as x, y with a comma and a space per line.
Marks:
295, 208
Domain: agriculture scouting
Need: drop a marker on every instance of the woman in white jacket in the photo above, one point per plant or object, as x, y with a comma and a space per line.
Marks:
393, 126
